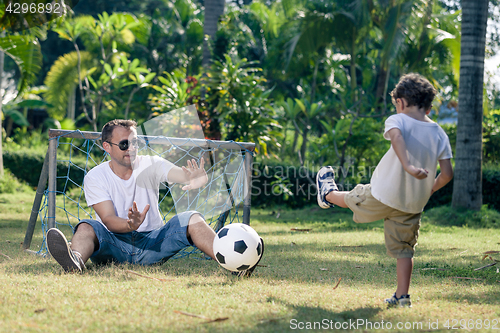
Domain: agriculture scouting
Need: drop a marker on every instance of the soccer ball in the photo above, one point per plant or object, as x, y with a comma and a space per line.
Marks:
237, 247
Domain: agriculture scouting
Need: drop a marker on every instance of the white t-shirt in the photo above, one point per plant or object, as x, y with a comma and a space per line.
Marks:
426, 143
101, 184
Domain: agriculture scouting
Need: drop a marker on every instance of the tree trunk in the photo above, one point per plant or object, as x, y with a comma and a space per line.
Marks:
2, 55
71, 105
381, 91
303, 148
213, 9
352, 72
283, 147
467, 185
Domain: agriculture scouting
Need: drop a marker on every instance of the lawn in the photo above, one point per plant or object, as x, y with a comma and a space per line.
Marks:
334, 275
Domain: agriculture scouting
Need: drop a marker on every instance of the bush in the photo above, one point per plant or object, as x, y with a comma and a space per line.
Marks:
10, 184
27, 166
448, 216
491, 195
276, 184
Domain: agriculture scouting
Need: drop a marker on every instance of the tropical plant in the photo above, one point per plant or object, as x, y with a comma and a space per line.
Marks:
241, 103
291, 110
174, 92
24, 49
101, 87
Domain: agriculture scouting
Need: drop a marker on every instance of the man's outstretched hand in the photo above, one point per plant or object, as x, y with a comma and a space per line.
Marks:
135, 218
196, 175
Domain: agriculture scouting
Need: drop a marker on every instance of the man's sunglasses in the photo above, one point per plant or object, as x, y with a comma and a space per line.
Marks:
125, 144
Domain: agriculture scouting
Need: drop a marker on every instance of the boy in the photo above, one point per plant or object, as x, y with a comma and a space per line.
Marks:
403, 181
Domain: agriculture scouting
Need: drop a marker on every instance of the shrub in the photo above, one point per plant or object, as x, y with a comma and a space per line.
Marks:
277, 184
10, 184
448, 216
491, 195
27, 165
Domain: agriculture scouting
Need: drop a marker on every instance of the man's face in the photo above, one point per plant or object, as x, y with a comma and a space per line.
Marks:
119, 137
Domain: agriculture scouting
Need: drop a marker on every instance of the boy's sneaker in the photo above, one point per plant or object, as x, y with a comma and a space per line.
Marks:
325, 184
70, 261
248, 272
403, 302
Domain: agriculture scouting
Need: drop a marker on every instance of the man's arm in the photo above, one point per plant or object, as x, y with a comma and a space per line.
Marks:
444, 176
106, 212
399, 146
194, 176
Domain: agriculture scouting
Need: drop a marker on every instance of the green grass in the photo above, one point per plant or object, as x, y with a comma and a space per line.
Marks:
295, 284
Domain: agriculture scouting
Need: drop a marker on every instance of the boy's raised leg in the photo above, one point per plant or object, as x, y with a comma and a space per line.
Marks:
337, 198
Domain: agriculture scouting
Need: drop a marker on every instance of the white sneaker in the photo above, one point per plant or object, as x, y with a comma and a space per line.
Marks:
325, 183
59, 249
403, 302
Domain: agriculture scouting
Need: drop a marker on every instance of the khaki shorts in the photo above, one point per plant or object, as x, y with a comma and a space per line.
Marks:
400, 228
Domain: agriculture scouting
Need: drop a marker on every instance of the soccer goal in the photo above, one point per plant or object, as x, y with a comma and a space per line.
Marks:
224, 199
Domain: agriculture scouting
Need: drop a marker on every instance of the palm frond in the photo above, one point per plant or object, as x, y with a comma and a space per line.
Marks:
26, 53
62, 80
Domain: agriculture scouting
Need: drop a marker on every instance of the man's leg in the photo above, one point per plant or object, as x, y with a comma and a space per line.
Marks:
84, 241
72, 259
201, 234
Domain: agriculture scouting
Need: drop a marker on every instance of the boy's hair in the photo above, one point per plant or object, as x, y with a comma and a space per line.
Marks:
416, 89
107, 130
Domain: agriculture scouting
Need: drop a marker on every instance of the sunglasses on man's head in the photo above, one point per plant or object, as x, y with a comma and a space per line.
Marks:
125, 144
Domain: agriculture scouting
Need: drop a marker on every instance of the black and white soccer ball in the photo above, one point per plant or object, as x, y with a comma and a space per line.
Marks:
237, 247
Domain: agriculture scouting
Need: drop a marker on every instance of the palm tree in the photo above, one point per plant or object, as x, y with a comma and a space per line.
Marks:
213, 9
390, 20
467, 185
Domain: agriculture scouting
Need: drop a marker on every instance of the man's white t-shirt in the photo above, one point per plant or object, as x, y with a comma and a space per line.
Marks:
101, 184
426, 143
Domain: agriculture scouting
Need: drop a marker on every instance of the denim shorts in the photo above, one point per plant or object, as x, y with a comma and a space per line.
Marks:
143, 248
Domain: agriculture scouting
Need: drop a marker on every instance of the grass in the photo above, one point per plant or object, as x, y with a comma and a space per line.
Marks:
293, 288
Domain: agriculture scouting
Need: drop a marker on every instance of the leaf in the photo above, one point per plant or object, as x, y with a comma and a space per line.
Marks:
32, 103
300, 104
338, 282
108, 69
17, 117
26, 53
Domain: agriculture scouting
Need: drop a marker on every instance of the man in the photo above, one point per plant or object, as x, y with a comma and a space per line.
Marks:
124, 193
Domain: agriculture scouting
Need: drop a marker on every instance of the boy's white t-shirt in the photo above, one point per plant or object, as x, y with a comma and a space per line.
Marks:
101, 184
426, 143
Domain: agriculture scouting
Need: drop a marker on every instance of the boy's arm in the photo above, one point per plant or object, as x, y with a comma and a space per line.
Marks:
399, 146
444, 176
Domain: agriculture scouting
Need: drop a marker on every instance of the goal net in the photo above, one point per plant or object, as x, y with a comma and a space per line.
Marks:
176, 137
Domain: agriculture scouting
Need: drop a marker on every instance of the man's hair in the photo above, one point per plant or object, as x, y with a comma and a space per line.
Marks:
107, 130
416, 89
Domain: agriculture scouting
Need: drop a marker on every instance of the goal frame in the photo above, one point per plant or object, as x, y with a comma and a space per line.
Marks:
49, 171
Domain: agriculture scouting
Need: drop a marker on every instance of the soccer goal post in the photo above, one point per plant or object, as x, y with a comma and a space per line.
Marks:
60, 201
